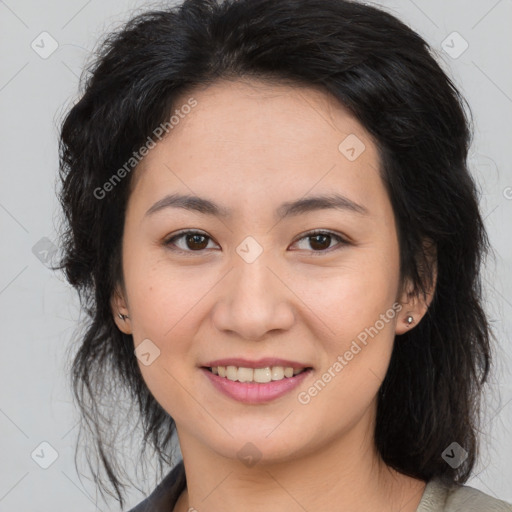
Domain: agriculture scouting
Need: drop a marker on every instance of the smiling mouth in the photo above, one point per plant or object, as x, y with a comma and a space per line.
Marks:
257, 375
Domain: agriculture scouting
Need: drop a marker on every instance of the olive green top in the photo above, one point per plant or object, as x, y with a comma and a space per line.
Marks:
438, 497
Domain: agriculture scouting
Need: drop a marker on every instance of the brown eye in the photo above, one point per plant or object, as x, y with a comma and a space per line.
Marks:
189, 241
196, 241
320, 241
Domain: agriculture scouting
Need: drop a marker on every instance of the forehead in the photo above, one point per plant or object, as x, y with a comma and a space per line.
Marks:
253, 115
258, 138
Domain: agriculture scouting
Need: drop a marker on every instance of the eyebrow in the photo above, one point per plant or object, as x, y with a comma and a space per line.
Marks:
287, 209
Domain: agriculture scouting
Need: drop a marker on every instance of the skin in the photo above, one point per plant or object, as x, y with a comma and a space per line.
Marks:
251, 146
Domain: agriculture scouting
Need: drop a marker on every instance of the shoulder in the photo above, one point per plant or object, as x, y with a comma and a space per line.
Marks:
441, 497
469, 499
164, 496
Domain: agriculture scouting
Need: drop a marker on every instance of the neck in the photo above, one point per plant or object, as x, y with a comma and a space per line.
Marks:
345, 474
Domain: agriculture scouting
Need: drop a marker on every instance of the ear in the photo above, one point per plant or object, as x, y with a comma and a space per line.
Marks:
415, 305
118, 305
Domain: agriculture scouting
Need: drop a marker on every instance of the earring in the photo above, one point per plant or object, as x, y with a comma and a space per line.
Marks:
122, 317
409, 320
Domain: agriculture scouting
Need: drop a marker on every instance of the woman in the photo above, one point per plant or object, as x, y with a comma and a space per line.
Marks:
272, 225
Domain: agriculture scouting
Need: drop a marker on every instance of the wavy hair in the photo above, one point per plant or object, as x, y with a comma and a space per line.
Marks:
386, 75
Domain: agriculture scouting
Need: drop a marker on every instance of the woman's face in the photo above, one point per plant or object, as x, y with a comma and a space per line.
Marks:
255, 282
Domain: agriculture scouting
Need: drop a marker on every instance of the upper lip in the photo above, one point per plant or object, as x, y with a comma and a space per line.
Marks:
260, 363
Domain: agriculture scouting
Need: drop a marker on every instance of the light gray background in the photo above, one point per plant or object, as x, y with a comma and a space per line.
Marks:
38, 310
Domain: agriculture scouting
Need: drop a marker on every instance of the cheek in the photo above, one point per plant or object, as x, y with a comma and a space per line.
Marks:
354, 310
353, 372
165, 303
351, 296
161, 294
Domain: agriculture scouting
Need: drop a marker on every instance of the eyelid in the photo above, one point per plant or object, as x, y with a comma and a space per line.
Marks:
168, 240
342, 240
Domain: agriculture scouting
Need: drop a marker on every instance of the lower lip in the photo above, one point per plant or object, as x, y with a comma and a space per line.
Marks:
255, 392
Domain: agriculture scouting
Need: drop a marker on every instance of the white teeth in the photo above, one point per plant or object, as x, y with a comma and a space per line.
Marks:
245, 374
232, 372
277, 372
261, 375
288, 372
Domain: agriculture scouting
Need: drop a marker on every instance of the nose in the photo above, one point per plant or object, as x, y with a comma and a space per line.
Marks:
255, 301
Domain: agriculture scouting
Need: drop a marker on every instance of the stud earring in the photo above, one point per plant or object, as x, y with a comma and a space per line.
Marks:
409, 320
122, 317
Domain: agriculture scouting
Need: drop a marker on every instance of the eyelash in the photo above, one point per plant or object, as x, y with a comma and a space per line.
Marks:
342, 241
